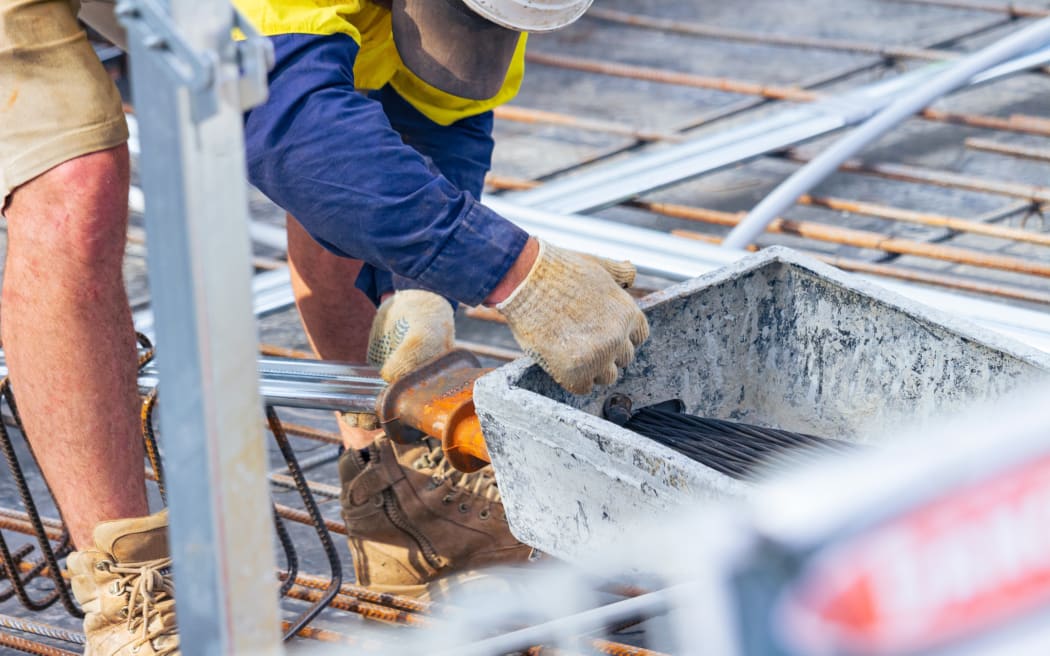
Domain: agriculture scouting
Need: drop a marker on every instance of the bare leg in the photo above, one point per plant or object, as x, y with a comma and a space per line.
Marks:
336, 315
69, 340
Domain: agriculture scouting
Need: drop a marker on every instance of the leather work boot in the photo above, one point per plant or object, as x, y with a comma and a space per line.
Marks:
416, 524
124, 586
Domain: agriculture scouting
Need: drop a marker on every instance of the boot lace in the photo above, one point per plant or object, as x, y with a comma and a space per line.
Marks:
151, 597
481, 483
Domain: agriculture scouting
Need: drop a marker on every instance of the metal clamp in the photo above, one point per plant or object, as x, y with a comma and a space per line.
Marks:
254, 57
236, 70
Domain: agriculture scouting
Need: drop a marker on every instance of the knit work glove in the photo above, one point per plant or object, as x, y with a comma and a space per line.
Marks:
622, 271
573, 318
411, 328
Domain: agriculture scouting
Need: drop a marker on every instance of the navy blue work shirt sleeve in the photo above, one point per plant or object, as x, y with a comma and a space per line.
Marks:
462, 152
330, 156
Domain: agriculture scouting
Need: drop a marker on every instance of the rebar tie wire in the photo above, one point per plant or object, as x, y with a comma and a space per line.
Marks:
50, 554
149, 404
20, 570
12, 563
301, 485
317, 519
16, 559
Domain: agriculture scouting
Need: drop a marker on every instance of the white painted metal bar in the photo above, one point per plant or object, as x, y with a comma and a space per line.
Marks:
306, 384
900, 110
672, 258
660, 166
660, 254
188, 91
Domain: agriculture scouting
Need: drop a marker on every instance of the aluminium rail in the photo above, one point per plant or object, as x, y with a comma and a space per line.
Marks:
660, 254
550, 209
295, 383
661, 166
900, 110
654, 253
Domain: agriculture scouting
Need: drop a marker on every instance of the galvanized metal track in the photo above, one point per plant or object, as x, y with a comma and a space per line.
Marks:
658, 167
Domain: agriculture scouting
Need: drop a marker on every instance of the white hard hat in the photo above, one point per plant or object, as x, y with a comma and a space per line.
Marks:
465, 47
530, 15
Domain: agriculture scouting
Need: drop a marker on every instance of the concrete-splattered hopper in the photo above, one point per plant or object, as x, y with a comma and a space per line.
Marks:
776, 340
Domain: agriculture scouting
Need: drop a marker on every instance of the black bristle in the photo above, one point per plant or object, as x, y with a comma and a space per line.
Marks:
732, 448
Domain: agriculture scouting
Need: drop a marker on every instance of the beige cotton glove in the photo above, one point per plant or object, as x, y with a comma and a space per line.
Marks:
573, 318
411, 328
622, 271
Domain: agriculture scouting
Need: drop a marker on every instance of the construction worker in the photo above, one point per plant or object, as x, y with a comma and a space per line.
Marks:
376, 137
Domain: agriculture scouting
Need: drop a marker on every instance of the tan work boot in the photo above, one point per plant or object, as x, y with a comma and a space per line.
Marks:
415, 523
124, 586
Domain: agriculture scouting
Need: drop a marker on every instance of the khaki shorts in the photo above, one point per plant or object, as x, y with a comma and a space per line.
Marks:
56, 100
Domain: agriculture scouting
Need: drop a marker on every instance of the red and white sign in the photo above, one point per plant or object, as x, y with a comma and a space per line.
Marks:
965, 563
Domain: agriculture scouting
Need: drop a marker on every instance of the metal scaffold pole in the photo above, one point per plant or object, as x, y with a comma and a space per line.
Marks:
191, 85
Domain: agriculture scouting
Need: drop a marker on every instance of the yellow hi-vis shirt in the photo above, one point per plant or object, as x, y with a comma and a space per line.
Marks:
378, 63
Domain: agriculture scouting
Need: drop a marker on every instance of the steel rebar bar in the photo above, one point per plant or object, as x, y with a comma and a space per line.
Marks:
838, 204
605, 185
650, 74
275, 351
399, 602
303, 517
321, 635
40, 629
749, 103
927, 219
929, 278
320, 489
939, 178
860, 239
911, 275
903, 107
692, 28
1011, 9
1020, 123
311, 433
28, 646
362, 608
26, 527
1013, 150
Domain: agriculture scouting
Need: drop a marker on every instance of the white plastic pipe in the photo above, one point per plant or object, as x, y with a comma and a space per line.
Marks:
812, 174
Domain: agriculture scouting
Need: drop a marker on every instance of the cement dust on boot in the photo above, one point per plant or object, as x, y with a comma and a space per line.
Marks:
416, 525
124, 586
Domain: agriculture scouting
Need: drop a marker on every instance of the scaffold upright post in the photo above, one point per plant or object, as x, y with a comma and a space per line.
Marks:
191, 84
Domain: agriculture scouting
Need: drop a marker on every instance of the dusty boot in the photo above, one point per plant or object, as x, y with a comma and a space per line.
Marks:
414, 521
124, 586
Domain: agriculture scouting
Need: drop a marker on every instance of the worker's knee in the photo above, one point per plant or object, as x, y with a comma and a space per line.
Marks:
97, 180
76, 210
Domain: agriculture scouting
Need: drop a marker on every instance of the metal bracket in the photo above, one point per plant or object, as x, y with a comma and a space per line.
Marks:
235, 71
255, 57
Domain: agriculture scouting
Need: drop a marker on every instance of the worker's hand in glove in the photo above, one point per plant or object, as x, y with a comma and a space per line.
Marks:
411, 328
572, 316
